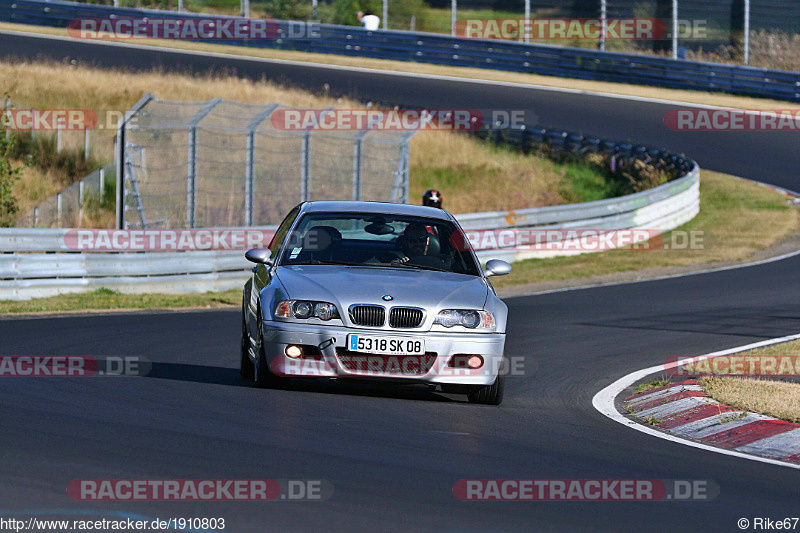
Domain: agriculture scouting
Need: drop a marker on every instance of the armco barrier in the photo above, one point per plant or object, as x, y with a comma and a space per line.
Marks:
447, 50
27, 273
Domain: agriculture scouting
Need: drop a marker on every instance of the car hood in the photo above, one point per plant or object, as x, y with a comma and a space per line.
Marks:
345, 285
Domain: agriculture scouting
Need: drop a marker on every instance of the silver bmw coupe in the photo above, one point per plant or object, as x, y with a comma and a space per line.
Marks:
374, 291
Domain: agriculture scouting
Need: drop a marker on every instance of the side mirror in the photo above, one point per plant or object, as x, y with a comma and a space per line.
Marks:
497, 267
259, 255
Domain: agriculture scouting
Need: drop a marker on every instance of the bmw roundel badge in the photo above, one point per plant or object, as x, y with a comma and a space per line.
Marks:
387, 298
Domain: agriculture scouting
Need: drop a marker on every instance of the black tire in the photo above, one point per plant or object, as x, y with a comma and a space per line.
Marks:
246, 367
264, 378
489, 394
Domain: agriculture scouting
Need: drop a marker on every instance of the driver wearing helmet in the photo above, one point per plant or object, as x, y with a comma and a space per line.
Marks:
420, 247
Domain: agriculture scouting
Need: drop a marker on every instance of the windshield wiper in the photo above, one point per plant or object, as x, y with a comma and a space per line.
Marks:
436, 269
321, 262
410, 265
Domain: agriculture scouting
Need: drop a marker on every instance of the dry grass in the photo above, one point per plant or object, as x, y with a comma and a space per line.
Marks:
786, 348
104, 299
35, 186
737, 218
57, 85
780, 399
472, 175
480, 177
739, 102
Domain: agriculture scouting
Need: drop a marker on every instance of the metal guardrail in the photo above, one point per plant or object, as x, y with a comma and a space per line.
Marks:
447, 50
25, 275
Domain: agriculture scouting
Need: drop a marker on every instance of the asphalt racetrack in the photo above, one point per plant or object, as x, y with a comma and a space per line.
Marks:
393, 455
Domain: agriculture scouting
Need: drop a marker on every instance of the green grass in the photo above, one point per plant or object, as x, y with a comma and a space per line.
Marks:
736, 219
437, 20
650, 385
583, 183
104, 298
652, 420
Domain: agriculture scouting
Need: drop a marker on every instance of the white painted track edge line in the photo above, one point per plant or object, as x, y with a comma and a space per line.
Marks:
461, 79
660, 278
604, 400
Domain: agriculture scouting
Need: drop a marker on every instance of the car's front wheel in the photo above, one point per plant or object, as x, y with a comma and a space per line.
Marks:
489, 394
246, 367
263, 376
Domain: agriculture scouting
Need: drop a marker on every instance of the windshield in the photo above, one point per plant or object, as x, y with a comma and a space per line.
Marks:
379, 240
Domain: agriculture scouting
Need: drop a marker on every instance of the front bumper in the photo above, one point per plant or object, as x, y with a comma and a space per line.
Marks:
334, 361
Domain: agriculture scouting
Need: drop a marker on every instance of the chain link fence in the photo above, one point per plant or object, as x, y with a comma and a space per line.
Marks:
77, 204
63, 138
222, 164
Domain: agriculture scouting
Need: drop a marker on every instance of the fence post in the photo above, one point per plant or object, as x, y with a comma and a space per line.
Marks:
603, 23
8, 106
357, 166
305, 163
528, 20
674, 29
250, 168
58, 203
191, 174
746, 32
102, 183
249, 178
304, 167
453, 11
58, 136
400, 189
80, 194
385, 14
191, 179
405, 157
35, 217
119, 157
86, 144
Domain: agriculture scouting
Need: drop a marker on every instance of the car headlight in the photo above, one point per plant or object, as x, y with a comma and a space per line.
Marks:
306, 309
465, 317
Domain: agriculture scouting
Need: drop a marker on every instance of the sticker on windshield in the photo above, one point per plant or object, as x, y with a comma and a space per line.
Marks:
295, 253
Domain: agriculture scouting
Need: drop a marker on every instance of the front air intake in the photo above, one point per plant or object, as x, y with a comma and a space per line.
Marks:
405, 317
368, 315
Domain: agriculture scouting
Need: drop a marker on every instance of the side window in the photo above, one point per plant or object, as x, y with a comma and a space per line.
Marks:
283, 229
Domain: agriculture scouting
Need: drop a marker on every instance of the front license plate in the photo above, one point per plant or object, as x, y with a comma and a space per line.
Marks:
385, 345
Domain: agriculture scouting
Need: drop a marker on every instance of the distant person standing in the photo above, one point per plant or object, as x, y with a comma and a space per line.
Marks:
369, 20
432, 198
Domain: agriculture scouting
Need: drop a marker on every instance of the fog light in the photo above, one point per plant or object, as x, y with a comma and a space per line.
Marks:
294, 351
476, 361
